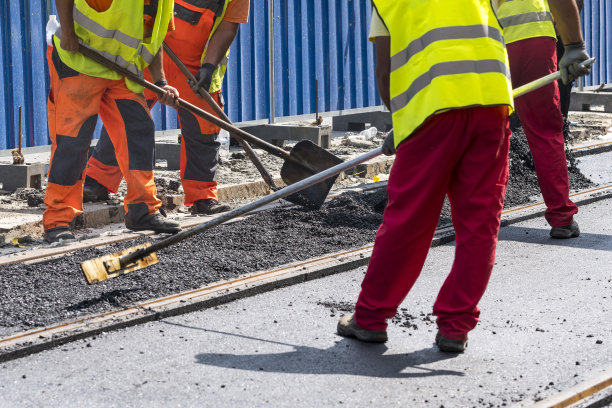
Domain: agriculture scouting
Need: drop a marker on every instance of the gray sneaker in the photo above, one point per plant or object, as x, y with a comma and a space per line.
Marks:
449, 345
348, 328
565, 232
58, 234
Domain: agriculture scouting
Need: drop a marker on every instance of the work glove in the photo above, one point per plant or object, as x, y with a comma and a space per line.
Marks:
569, 66
204, 76
388, 146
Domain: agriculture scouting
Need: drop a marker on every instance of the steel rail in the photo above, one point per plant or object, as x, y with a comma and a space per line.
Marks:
50, 253
25, 343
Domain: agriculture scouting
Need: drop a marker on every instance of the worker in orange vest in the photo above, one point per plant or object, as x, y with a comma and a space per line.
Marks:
203, 35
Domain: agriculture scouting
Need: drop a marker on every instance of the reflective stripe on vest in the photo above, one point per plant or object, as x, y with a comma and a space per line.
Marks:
448, 68
526, 19
116, 34
444, 55
443, 33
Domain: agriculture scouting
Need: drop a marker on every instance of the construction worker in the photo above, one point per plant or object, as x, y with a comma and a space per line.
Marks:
443, 73
531, 43
203, 35
82, 89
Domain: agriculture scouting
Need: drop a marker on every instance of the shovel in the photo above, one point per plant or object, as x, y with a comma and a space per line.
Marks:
203, 93
131, 259
304, 160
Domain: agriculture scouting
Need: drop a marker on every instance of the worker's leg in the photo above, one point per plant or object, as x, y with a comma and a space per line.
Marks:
73, 105
102, 165
200, 140
476, 195
132, 132
417, 185
543, 124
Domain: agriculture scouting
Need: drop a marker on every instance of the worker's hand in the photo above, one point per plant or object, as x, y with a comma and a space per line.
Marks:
569, 66
204, 76
170, 96
69, 41
388, 147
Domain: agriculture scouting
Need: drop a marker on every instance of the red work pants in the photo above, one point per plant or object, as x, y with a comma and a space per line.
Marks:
542, 122
461, 153
75, 100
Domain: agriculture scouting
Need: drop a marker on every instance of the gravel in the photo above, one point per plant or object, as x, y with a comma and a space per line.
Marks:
54, 291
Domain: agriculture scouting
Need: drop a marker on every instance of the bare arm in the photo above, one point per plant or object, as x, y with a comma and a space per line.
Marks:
69, 40
220, 42
567, 17
383, 68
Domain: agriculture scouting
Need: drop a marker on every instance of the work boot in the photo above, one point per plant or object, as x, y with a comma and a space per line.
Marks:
94, 191
58, 234
208, 206
156, 222
449, 345
567, 231
348, 328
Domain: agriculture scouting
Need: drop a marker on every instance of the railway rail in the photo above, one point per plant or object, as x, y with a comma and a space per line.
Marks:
32, 341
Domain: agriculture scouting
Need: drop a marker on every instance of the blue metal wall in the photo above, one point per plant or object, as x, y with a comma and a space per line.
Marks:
597, 27
324, 40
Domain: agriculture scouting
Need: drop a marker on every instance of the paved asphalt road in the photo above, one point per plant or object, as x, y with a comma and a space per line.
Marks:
545, 326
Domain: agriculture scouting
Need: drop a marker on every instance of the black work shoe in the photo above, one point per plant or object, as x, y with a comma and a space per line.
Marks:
208, 206
567, 231
58, 234
348, 328
94, 191
156, 222
450, 345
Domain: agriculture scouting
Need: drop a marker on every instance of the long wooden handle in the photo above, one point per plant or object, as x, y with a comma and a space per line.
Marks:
268, 147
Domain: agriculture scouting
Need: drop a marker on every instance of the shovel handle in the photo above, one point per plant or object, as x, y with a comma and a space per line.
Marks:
550, 78
284, 192
213, 104
268, 147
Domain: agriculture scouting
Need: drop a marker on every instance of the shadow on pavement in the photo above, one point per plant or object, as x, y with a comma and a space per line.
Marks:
347, 356
598, 242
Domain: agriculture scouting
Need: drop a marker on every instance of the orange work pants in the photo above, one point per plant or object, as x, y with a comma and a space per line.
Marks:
75, 101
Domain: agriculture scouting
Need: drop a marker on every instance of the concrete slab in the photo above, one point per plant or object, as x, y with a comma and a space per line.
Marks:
582, 101
381, 120
279, 133
29, 175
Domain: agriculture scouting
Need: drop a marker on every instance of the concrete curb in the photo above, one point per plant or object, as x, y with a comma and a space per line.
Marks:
33, 341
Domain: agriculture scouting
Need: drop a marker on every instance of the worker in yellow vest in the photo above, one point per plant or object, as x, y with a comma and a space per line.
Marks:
531, 43
204, 33
82, 89
443, 72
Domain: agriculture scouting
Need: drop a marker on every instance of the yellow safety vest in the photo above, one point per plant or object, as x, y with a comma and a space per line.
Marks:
117, 34
522, 19
217, 78
445, 54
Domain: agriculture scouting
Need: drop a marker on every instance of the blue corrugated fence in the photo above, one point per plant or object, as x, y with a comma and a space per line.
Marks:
322, 42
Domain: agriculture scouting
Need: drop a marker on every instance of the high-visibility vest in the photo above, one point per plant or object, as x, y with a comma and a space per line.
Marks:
117, 34
522, 19
196, 23
445, 54
217, 78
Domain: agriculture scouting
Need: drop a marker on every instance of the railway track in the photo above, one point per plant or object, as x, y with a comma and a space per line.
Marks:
32, 341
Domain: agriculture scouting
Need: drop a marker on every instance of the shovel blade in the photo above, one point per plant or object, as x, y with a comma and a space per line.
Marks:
318, 159
108, 266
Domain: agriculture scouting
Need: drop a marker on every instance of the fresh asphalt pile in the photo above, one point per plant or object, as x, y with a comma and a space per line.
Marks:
54, 291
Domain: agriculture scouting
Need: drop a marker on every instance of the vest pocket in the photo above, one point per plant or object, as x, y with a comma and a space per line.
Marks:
190, 16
